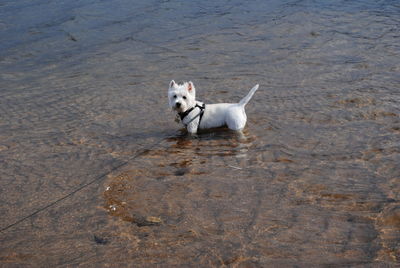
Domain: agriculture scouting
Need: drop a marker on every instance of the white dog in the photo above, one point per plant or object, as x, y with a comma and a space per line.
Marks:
196, 115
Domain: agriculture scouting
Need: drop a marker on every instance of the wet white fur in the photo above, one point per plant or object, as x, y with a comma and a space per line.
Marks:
232, 115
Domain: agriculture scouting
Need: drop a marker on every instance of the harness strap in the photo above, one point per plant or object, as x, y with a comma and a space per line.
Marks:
200, 114
202, 108
184, 114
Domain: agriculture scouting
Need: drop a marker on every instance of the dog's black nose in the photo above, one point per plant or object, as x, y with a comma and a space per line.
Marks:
178, 104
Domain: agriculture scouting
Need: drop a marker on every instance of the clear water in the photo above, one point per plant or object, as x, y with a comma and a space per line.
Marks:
94, 171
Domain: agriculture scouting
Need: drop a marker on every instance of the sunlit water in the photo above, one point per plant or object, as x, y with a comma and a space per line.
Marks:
94, 171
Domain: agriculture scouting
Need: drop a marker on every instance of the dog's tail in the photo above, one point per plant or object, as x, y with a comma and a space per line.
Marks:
246, 99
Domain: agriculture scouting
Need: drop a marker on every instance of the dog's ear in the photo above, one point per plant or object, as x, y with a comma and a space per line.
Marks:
190, 87
172, 83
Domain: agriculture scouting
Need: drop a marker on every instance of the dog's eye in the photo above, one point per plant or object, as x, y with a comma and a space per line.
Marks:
174, 96
184, 97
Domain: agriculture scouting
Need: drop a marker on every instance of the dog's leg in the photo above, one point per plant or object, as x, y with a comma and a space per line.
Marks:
236, 117
240, 135
192, 127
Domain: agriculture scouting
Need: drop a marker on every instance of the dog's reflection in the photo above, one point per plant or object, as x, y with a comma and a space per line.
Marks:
215, 142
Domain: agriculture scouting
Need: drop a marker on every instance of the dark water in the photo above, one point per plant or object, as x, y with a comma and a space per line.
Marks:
94, 172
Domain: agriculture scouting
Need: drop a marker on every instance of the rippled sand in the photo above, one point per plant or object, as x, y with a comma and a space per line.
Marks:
94, 171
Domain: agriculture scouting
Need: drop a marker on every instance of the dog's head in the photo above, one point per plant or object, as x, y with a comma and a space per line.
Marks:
181, 96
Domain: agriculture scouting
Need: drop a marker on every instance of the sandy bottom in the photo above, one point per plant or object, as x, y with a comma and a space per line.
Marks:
95, 172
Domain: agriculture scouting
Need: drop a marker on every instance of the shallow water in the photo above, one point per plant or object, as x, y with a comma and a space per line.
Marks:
95, 172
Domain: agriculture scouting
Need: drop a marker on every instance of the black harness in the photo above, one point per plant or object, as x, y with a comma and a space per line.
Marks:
187, 112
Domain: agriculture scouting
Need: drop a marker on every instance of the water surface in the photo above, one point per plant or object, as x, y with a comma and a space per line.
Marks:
94, 171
